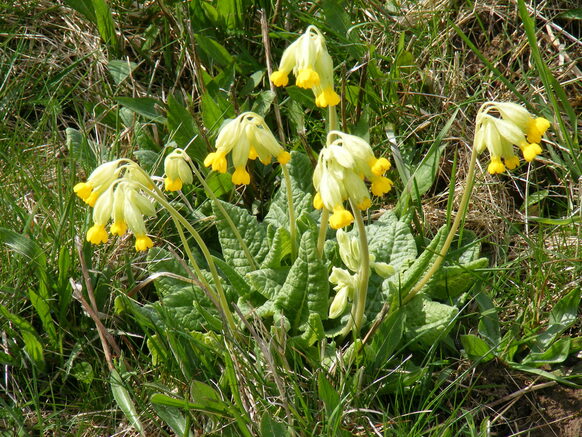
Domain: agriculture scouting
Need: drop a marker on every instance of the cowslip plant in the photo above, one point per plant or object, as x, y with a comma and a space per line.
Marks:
279, 265
279, 269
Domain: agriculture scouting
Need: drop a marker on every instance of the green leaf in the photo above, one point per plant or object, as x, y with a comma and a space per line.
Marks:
404, 282
179, 299
263, 102
84, 7
219, 183
452, 281
268, 282
302, 96
124, 401
572, 14
279, 247
563, 315
536, 197
306, 289
489, 323
387, 338
148, 160
184, 131
36, 258
105, 24
253, 233
238, 283
331, 400
144, 106
339, 22
301, 173
81, 148
427, 321
231, 13
391, 241
83, 372
32, 345
557, 353
215, 109
540, 372
174, 418
476, 349
214, 51
271, 428
218, 407
120, 69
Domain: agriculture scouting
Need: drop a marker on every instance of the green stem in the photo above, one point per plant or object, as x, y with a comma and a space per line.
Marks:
332, 119
180, 220
292, 222
452, 232
233, 227
322, 231
331, 125
363, 273
158, 195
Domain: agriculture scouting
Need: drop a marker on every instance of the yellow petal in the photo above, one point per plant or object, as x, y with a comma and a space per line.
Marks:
381, 166
83, 190
284, 157
118, 228
495, 166
340, 218
307, 78
317, 202
143, 242
279, 78
241, 177
97, 234
381, 185
511, 162
173, 184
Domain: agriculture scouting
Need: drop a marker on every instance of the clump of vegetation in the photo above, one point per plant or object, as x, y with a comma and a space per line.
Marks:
335, 257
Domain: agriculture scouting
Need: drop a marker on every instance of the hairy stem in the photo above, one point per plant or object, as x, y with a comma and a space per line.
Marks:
452, 231
233, 227
363, 273
292, 222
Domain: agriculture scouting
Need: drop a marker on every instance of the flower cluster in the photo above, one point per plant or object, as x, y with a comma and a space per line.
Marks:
312, 66
115, 190
343, 166
247, 137
515, 127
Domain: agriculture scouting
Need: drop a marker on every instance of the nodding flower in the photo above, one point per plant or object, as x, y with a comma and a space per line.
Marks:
118, 193
97, 182
177, 169
247, 137
308, 59
515, 127
342, 169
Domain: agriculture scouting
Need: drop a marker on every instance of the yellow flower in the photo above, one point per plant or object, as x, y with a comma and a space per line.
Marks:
345, 284
342, 169
136, 205
101, 213
177, 169
97, 182
515, 127
308, 59
246, 137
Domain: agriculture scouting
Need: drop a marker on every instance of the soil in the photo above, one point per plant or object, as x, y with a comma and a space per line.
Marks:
544, 410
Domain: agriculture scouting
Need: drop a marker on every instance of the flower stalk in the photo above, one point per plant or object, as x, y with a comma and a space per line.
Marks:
292, 221
359, 304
